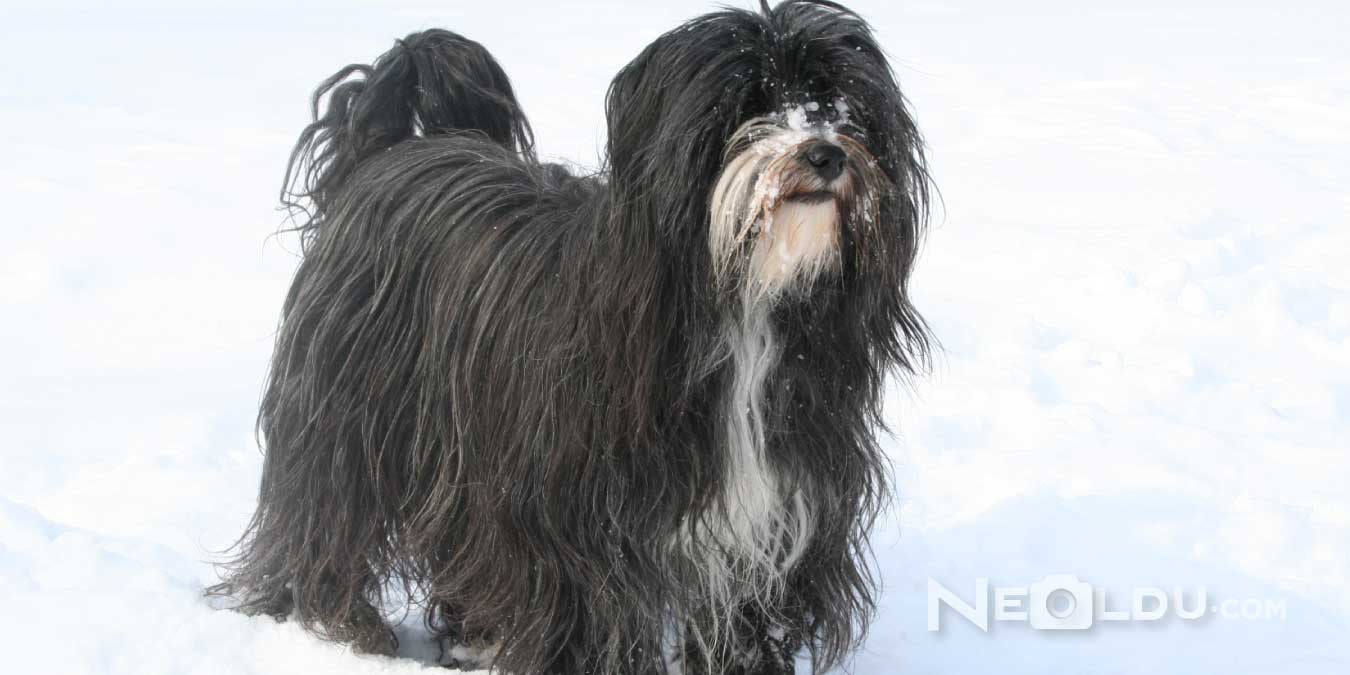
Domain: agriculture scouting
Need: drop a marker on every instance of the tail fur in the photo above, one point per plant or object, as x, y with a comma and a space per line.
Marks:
432, 82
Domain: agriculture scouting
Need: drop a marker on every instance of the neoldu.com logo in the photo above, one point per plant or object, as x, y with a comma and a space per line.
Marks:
1065, 602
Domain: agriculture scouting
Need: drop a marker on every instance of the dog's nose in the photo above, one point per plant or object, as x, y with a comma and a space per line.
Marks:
827, 159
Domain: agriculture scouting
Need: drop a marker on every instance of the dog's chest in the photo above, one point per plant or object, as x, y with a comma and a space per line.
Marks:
759, 521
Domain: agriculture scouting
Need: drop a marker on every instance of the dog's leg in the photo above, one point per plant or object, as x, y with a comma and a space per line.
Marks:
559, 620
338, 607
757, 644
461, 648
367, 631
777, 650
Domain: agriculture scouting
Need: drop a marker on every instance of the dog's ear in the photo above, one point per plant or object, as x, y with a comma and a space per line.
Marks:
670, 113
665, 143
632, 110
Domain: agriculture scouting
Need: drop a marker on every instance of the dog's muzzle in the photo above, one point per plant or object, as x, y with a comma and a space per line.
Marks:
777, 208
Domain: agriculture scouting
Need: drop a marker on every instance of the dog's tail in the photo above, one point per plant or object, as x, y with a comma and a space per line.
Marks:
433, 82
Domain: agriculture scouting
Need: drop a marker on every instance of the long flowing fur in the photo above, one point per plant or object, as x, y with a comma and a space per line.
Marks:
514, 390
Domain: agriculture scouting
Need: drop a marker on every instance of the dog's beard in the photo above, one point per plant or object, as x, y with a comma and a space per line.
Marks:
775, 224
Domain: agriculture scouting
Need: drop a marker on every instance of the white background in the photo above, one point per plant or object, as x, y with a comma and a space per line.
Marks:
1140, 274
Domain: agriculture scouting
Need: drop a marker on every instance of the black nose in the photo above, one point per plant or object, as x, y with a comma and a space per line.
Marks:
827, 158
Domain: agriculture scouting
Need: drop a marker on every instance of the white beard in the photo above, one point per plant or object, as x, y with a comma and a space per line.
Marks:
793, 241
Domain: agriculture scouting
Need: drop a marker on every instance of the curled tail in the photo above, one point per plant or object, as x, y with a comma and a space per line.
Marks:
432, 82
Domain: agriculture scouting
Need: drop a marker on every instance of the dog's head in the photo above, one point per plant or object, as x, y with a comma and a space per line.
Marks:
778, 141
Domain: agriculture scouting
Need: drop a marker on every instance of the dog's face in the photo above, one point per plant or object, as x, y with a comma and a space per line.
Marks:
789, 182
780, 140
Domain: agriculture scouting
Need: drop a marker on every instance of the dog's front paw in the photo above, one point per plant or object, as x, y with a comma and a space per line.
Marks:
461, 655
777, 653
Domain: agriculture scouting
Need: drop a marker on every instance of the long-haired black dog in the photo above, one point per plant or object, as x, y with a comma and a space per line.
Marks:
620, 423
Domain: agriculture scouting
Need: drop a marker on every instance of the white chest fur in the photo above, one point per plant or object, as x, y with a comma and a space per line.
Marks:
758, 526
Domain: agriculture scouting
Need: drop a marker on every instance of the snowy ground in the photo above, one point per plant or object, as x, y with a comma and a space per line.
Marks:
1141, 278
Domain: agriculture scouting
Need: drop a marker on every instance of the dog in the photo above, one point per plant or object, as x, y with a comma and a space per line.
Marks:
614, 423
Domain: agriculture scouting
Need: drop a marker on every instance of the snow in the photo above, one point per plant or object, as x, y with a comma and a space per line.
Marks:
1138, 275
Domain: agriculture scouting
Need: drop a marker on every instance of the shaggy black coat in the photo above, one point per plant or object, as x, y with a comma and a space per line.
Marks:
499, 383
